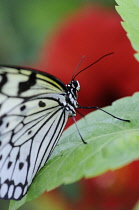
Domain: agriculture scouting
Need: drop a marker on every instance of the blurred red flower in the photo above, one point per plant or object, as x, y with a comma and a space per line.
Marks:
95, 31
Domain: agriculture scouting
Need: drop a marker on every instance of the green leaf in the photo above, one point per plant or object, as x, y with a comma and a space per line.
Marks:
111, 144
136, 207
129, 11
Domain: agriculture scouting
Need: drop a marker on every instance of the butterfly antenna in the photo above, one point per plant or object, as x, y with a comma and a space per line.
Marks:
96, 107
78, 67
91, 64
79, 131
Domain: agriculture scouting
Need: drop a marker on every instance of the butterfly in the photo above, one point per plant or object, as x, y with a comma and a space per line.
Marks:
34, 109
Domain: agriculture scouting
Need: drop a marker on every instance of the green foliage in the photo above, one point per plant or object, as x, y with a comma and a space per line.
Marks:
26, 25
111, 144
129, 11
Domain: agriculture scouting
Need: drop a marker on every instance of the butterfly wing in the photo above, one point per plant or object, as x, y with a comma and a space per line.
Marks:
31, 122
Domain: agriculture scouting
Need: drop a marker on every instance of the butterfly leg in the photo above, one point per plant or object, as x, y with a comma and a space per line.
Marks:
78, 130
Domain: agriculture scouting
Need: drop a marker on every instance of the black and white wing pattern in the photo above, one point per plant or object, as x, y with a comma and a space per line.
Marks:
33, 114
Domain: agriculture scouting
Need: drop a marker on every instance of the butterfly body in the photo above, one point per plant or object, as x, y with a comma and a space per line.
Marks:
34, 108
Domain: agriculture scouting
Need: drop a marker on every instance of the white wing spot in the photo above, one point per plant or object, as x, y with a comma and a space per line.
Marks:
10, 192
17, 193
4, 189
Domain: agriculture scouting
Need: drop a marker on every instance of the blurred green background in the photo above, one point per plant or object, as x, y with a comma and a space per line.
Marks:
25, 24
